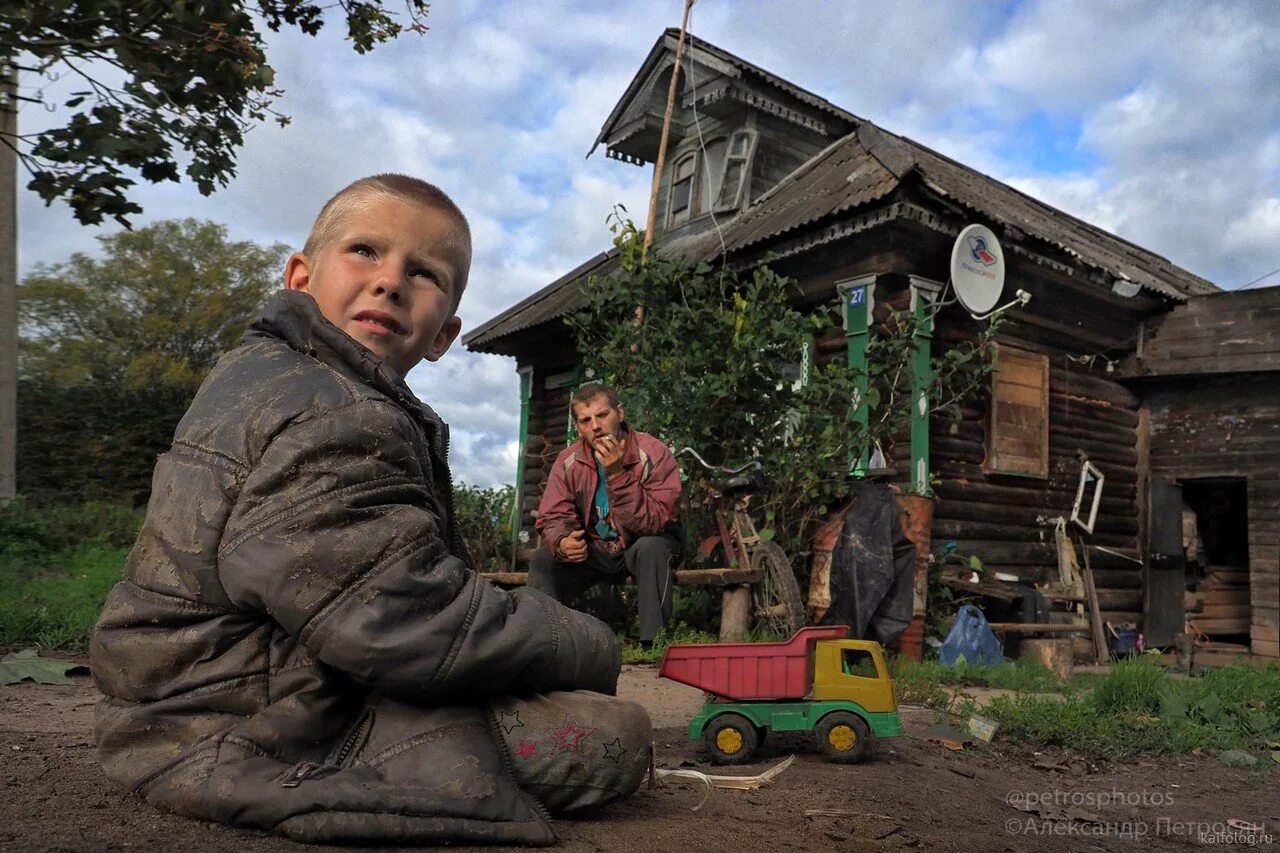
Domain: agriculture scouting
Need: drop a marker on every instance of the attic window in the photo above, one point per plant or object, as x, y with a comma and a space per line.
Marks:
737, 170
712, 173
1018, 426
681, 203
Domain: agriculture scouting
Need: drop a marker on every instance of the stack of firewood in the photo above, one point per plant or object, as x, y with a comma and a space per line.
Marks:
1220, 604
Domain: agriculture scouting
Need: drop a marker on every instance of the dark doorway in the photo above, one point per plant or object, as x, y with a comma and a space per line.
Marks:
1216, 539
1222, 516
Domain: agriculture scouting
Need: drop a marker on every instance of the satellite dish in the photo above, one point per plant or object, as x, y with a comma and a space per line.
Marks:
977, 269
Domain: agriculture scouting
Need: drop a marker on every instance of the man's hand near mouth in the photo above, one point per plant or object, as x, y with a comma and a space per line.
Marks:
609, 451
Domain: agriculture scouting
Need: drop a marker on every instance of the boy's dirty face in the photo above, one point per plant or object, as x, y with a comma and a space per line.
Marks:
388, 278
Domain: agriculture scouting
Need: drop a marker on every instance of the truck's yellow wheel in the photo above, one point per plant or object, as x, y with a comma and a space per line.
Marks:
731, 739
843, 736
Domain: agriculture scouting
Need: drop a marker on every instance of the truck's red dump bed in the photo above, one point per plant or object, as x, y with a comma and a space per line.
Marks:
745, 671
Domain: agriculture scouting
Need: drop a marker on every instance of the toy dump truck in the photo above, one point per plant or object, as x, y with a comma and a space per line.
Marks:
817, 681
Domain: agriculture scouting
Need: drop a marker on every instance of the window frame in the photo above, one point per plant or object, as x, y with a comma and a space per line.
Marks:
687, 213
746, 158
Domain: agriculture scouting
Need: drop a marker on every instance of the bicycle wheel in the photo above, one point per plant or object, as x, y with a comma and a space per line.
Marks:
775, 598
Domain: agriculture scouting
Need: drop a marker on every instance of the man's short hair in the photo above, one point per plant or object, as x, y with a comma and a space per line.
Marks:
395, 187
592, 390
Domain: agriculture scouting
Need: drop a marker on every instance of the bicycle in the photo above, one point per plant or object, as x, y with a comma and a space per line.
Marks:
775, 596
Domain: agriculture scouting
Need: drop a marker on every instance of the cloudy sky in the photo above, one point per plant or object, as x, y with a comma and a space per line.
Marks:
1159, 121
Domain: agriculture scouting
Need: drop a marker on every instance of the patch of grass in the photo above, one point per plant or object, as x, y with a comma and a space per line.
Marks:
57, 564
56, 608
1134, 686
1137, 707
922, 677
674, 635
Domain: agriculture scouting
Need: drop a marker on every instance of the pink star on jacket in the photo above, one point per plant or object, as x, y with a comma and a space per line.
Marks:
527, 749
570, 735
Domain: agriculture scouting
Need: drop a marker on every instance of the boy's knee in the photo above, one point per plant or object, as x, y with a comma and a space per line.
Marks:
576, 750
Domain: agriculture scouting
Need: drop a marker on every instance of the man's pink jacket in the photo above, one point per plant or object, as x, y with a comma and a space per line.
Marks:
644, 495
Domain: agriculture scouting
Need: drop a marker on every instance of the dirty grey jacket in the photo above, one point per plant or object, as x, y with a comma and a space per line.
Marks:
299, 568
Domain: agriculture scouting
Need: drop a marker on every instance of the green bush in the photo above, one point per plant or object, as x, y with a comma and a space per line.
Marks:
485, 518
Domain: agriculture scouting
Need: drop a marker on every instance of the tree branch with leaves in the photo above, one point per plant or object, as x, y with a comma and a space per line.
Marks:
718, 365
162, 84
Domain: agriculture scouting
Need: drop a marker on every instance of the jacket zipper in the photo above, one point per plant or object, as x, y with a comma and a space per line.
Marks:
357, 736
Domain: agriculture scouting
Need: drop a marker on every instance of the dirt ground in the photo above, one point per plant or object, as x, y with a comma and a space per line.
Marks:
911, 795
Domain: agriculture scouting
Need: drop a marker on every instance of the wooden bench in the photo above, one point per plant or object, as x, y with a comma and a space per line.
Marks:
735, 600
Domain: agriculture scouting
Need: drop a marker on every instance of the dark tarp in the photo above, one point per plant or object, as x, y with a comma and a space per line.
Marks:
872, 568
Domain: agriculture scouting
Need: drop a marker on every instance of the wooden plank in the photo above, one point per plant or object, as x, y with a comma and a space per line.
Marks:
1038, 628
1265, 648
1221, 626
1020, 368
684, 577
1095, 616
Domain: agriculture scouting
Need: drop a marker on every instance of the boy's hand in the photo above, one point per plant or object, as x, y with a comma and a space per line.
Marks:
573, 548
608, 451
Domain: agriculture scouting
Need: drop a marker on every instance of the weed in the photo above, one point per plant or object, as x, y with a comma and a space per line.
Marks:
673, 635
1134, 686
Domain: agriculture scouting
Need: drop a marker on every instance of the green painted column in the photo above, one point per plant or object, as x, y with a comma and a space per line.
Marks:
924, 293
857, 299
526, 394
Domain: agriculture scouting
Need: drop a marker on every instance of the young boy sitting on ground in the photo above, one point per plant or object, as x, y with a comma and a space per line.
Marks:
300, 643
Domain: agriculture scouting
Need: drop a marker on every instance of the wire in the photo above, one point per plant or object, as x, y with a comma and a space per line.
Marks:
702, 145
1258, 279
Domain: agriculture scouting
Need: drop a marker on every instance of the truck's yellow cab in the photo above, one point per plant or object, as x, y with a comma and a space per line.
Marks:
853, 671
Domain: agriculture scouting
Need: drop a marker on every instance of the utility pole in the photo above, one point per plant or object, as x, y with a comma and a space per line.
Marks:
8, 280
666, 131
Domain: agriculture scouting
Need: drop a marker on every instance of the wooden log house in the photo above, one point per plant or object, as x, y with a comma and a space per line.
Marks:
1093, 367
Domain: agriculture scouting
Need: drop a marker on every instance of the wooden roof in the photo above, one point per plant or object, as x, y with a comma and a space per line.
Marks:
860, 172
664, 50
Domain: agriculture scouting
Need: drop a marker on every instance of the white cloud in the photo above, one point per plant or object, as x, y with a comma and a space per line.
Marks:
1161, 124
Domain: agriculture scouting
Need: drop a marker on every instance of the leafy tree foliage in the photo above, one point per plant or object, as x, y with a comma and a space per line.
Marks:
114, 348
484, 515
157, 309
164, 83
721, 363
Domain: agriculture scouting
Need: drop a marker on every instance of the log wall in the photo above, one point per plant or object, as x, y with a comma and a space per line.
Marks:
1229, 426
1007, 520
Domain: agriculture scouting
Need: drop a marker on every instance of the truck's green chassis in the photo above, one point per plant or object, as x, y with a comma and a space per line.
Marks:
793, 716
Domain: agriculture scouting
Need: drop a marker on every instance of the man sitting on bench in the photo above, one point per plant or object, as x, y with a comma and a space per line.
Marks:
611, 505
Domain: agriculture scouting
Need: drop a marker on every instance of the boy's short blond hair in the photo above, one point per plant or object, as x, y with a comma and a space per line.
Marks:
393, 186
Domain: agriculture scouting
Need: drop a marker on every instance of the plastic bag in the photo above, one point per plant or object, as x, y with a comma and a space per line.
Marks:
971, 637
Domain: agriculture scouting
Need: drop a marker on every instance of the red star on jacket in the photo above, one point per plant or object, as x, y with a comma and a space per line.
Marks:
570, 735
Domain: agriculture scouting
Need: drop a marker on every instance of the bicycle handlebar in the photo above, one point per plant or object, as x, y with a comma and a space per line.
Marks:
754, 464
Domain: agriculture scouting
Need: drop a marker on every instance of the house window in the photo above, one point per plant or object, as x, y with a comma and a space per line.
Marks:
1018, 425
737, 170
712, 173
682, 195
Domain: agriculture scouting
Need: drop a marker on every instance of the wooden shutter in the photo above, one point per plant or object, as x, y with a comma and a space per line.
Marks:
1018, 427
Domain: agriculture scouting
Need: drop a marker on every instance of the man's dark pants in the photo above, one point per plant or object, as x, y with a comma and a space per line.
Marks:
651, 560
